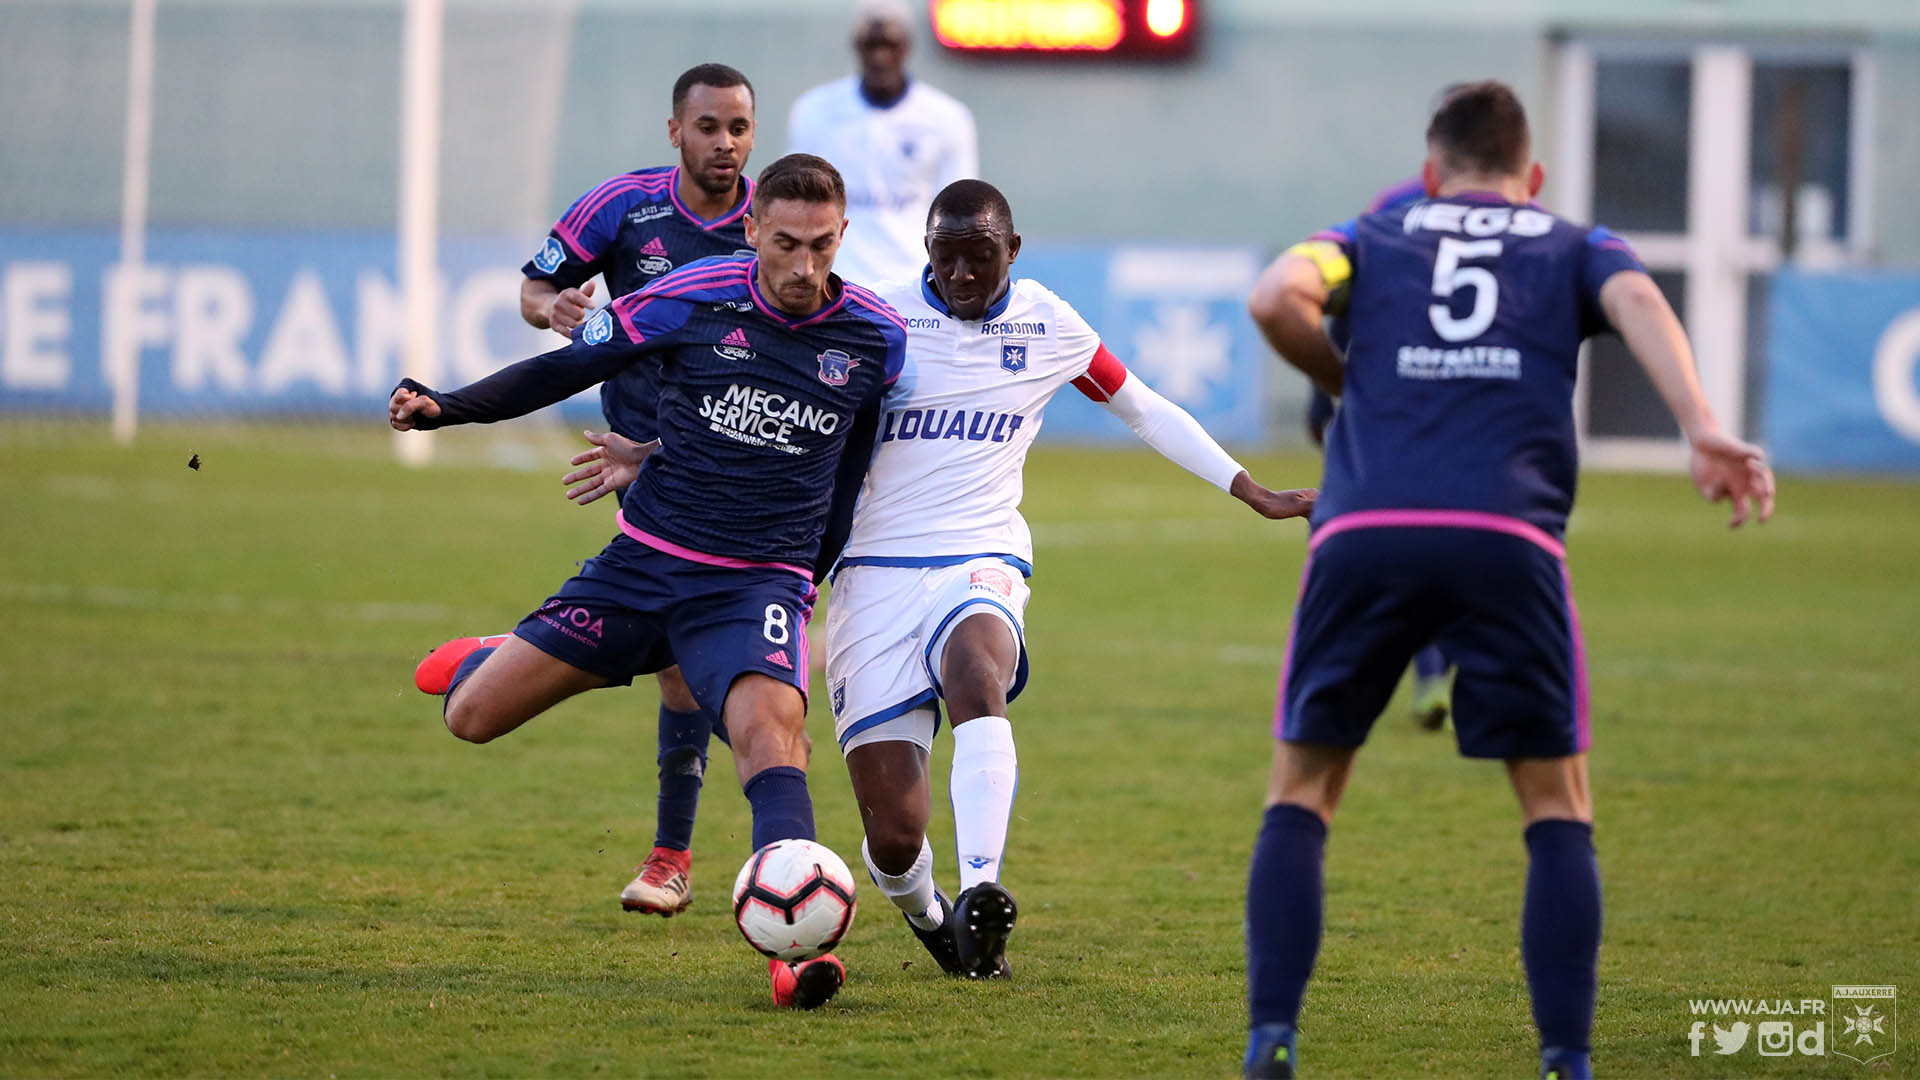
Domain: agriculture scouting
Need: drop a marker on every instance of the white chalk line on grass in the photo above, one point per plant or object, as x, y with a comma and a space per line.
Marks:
117, 596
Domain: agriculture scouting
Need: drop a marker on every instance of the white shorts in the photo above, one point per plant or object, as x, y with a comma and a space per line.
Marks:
887, 631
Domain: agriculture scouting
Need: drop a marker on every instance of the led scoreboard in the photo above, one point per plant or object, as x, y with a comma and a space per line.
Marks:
1145, 29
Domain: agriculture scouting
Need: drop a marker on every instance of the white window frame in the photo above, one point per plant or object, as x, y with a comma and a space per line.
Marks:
1716, 254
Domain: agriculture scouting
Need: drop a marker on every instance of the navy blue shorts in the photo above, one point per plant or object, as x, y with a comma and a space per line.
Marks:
1491, 591
634, 609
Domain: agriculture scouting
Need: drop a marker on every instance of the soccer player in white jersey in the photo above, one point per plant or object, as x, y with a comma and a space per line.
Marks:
895, 139
929, 598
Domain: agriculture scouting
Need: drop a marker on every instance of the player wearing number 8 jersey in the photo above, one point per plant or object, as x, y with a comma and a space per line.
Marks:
769, 366
1450, 473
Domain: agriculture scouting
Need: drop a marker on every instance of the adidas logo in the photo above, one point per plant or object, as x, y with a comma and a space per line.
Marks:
778, 659
654, 247
736, 338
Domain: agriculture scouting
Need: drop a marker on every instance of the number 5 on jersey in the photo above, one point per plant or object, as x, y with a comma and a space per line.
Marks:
1450, 277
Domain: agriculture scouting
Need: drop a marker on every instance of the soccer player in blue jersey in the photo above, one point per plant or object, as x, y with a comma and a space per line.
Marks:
1442, 514
630, 230
767, 367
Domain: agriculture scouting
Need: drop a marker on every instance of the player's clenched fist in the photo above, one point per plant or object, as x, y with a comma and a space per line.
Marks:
570, 308
407, 404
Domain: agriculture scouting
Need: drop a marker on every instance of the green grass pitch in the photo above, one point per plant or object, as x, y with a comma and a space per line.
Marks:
234, 839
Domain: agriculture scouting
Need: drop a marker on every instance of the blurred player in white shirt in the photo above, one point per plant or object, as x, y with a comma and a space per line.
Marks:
895, 139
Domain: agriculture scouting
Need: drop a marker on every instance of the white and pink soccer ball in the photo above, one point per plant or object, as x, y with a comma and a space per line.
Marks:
794, 900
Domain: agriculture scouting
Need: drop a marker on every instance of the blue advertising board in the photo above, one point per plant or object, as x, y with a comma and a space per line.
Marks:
280, 323
1843, 388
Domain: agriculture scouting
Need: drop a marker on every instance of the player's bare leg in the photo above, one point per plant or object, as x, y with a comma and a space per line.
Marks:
513, 684
1560, 924
1286, 896
976, 669
766, 725
891, 786
663, 883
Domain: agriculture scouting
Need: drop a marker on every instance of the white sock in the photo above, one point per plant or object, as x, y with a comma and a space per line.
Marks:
985, 773
911, 892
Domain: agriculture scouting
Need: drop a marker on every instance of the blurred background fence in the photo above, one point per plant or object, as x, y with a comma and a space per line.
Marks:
239, 243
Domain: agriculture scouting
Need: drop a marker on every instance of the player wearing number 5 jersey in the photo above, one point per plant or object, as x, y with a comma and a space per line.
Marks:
1442, 515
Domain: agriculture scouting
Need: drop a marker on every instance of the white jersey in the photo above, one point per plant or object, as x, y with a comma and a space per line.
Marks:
894, 160
946, 477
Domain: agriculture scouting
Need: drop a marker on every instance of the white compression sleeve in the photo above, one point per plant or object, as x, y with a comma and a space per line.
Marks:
1174, 432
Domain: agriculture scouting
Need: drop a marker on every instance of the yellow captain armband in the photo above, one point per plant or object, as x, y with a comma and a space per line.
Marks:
1335, 269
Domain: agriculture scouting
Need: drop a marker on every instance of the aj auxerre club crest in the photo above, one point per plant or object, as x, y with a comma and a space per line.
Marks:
1866, 1021
1013, 355
550, 257
836, 367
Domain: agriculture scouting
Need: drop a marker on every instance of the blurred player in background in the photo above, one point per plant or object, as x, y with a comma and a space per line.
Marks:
930, 595
767, 367
1449, 478
896, 140
632, 229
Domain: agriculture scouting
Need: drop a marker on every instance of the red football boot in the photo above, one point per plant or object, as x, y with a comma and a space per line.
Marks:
808, 984
435, 673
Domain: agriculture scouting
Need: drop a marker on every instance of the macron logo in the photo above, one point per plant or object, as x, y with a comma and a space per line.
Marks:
654, 247
779, 659
737, 338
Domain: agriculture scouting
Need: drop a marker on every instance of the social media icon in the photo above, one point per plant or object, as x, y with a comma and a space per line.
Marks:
1729, 1041
1776, 1038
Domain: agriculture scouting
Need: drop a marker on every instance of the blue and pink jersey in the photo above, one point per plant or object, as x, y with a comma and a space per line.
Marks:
755, 406
633, 229
1465, 317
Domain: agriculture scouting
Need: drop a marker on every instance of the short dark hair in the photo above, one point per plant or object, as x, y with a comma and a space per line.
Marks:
718, 76
968, 198
1480, 127
801, 177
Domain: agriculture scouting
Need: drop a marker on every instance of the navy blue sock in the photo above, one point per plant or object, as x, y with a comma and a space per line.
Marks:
1429, 663
1284, 899
782, 810
683, 762
467, 667
1560, 935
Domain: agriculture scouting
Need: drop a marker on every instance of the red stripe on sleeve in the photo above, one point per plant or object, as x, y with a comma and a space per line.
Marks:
1104, 376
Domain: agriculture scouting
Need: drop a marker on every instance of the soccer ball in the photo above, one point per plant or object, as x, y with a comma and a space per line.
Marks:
793, 900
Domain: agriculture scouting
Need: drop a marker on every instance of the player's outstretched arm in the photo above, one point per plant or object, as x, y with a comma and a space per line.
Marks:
607, 469
514, 390
1287, 303
1723, 467
1179, 438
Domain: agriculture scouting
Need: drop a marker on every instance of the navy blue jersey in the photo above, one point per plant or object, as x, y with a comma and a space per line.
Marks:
1466, 316
633, 229
755, 406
